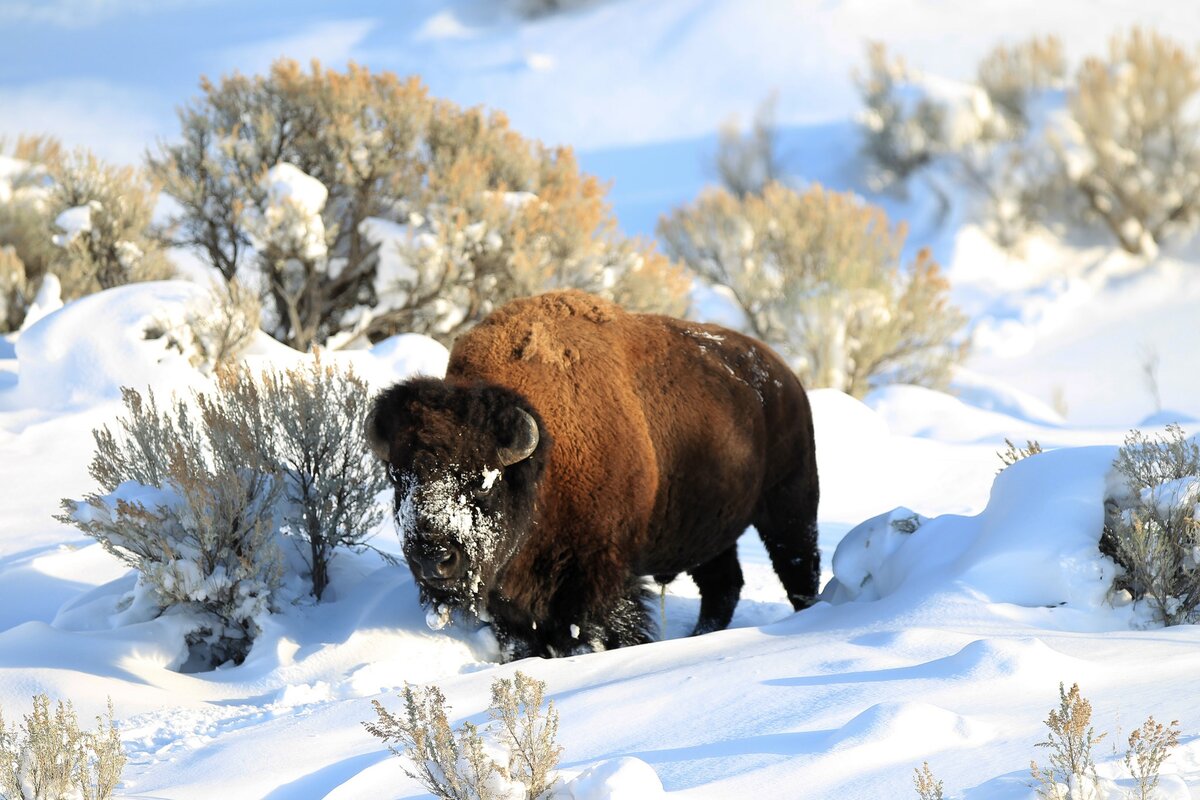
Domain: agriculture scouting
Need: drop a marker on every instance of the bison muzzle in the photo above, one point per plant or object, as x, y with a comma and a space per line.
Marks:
574, 448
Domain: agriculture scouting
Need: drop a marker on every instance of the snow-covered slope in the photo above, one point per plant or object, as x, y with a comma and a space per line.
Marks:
943, 637
951, 621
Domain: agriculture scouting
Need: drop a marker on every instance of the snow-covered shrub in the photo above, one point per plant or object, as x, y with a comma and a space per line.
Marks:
747, 162
1071, 774
1152, 522
25, 226
316, 414
1009, 162
217, 330
902, 126
50, 758
14, 289
1136, 150
103, 217
1011, 75
188, 501
818, 277
196, 495
365, 207
462, 764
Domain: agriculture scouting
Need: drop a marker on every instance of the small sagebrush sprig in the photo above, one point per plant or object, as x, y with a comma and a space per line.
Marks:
1149, 747
49, 757
458, 765
1014, 453
928, 787
1070, 743
528, 733
422, 736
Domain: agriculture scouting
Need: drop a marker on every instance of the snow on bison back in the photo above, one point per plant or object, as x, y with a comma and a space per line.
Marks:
573, 448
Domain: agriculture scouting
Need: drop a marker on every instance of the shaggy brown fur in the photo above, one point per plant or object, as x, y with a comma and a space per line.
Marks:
662, 440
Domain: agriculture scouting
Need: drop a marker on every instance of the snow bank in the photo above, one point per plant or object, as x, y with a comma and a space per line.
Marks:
1035, 545
86, 351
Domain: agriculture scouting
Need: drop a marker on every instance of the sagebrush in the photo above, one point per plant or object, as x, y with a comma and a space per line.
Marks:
747, 161
188, 501
48, 757
413, 215
109, 238
1014, 453
1150, 526
819, 277
1069, 745
1136, 158
462, 765
927, 785
104, 218
200, 496
900, 134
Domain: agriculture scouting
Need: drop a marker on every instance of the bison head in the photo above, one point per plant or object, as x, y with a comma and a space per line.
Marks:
465, 461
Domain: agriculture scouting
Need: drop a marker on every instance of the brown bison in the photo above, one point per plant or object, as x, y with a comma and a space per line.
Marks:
574, 448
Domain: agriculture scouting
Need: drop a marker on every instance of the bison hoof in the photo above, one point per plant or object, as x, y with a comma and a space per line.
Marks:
801, 601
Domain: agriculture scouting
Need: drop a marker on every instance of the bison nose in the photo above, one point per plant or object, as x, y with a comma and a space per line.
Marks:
441, 564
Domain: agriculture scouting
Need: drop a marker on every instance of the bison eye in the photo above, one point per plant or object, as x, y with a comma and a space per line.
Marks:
393, 473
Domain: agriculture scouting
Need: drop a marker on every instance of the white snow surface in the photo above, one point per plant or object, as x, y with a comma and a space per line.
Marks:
961, 598
943, 636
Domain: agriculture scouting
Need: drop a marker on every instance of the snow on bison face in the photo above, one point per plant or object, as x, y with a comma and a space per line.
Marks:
463, 464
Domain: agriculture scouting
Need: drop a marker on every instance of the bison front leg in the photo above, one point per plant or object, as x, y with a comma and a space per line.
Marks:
607, 623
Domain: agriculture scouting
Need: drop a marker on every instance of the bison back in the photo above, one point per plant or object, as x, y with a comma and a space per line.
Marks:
666, 432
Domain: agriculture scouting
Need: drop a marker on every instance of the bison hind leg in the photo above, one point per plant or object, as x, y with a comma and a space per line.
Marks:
787, 524
720, 583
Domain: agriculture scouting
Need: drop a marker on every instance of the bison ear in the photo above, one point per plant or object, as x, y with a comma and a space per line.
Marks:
522, 436
385, 416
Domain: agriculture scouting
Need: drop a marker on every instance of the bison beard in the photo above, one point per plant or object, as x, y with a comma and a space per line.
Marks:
574, 448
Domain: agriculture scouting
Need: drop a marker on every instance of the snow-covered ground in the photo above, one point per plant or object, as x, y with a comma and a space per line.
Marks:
945, 644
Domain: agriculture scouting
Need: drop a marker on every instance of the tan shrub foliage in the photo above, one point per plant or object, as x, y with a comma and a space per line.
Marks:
1010, 74
49, 757
115, 247
14, 289
1069, 745
25, 230
899, 137
216, 331
487, 214
188, 501
818, 277
1149, 746
1136, 115
1150, 527
459, 765
927, 785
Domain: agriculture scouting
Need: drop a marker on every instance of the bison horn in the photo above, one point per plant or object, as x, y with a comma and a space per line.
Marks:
524, 442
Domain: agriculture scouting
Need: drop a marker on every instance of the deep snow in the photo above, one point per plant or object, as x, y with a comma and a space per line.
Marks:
944, 637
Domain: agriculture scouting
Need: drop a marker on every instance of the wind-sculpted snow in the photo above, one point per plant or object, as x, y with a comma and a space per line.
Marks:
1029, 547
85, 352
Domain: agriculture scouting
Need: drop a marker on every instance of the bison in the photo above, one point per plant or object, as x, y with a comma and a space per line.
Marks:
574, 448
